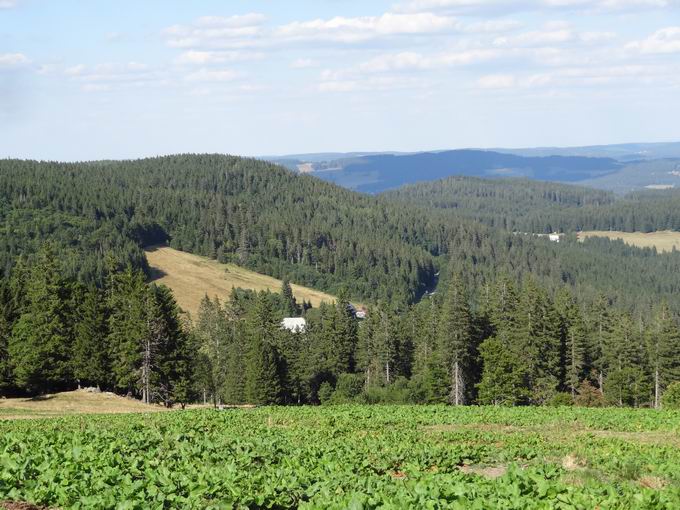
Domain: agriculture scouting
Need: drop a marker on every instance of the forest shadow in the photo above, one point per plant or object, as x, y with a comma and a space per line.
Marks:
41, 398
156, 274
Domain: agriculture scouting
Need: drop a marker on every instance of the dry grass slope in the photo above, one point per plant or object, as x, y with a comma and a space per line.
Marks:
191, 277
72, 402
664, 241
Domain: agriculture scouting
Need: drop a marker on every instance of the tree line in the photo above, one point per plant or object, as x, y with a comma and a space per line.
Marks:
509, 342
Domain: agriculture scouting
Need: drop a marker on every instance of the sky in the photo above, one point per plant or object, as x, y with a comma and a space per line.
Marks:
98, 79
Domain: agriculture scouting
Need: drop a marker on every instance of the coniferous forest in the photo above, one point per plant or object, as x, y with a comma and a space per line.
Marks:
463, 307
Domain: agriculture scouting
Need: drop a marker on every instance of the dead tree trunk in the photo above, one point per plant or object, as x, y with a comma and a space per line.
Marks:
457, 396
657, 392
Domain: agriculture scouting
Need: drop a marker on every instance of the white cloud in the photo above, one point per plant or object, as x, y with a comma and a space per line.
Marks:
547, 37
217, 32
496, 81
504, 6
239, 21
460, 6
333, 82
341, 29
76, 70
8, 60
492, 26
596, 37
571, 77
249, 31
303, 63
665, 40
7, 4
411, 60
96, 87
107, 76
194, 57
211, 75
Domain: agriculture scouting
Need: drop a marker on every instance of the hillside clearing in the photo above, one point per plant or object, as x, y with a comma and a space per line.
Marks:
71, 402
664, 241
191, 277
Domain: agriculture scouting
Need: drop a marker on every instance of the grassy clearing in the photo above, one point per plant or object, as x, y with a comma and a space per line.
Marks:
664, 241
191, 277
71, 403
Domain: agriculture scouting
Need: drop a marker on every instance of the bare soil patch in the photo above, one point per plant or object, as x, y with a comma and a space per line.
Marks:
20, 505
486, 471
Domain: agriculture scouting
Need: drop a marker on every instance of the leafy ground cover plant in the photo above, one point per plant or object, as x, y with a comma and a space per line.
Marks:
356, 457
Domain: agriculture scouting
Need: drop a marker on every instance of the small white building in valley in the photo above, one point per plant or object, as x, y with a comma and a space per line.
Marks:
294, 324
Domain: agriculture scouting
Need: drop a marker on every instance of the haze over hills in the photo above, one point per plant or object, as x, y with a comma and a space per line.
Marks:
620, 168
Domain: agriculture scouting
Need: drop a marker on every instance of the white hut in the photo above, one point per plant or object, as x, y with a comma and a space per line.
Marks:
294, 324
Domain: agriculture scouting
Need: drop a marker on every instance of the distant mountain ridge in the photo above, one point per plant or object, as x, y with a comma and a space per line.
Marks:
620, 168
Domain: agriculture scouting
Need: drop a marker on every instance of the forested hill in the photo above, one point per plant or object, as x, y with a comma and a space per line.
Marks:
242, 210
532, 206
287, 225
513, 204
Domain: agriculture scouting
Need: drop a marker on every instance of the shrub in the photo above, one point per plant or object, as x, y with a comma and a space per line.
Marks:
588, 396
671, 397
560, 399
325, 392
349, 386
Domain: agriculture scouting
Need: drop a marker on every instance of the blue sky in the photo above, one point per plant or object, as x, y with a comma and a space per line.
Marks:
118, 79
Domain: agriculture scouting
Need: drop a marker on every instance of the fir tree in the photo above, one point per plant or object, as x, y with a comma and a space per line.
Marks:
455, 340
263, 383
504, 375
90, 359
214, 337
128, 328
663, 347
5, 332
344, 336
291, 308
572, 332
40, 346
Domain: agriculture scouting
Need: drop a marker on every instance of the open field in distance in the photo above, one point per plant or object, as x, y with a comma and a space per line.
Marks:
664, 241
191, 277
71, 402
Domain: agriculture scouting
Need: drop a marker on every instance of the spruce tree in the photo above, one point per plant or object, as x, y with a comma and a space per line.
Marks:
128, 328
214, 337
537, 341
291, 308
663, 348
263, 381
90, 359
601, 325
625, 381
504, 375
455, 339
5, 332
175, 351
573, 337
40, 345
344, 334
